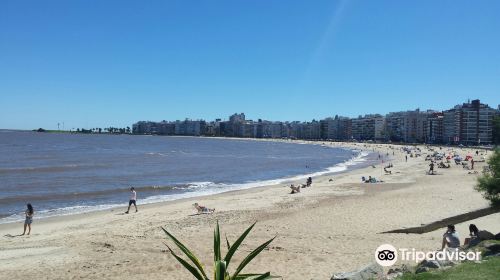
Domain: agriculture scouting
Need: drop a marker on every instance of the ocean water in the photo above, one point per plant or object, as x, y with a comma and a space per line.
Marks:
62, 174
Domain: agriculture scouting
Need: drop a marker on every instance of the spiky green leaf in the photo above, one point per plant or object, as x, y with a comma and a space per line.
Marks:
251, 256
220, 270
237, 244
189, 267
217, 254
187, 252
228, 245
263, 276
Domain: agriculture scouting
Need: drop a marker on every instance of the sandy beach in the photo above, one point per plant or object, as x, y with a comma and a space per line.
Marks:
333, 226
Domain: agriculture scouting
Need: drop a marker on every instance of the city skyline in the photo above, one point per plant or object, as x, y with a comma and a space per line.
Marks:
63, 127
468, 123
113, 63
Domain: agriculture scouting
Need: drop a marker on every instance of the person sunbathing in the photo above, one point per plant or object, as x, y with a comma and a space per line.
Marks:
203, 209
369, 180
295, 189
442, 165
374, 180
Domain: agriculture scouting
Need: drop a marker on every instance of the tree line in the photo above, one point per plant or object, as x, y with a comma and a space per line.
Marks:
496, 130
111, 130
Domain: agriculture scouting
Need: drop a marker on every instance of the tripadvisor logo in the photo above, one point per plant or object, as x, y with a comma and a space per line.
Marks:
387, 255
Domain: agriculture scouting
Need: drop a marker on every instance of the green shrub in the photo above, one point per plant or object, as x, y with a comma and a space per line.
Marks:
489, 182
221, 264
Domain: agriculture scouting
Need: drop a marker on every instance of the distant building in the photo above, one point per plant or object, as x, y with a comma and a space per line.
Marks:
469, 124
271, 129
434, 129
451, 125
145, 127
235, 118
235, 127
190, 127
369, 127
408, 126
338, 128
306, 130
476, 123
165, 128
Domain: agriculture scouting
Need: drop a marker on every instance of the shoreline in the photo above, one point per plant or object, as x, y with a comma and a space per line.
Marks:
332, 226
348, 165
153, 205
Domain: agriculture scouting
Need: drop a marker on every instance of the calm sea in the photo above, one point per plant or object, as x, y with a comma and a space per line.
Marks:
72, 173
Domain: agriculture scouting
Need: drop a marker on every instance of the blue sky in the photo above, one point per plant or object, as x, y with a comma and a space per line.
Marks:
111, 63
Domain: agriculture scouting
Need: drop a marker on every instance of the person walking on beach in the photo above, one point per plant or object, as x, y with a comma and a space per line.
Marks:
431, 168
133, 199
29, 218
406, 157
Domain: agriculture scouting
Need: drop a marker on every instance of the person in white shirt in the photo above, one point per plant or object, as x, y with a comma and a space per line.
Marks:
133, 198
450, 238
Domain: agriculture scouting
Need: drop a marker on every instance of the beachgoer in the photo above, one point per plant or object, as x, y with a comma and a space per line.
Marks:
450, 238
374, 180
294, 189
476, 236
309, 181
473, 238
431, 168
472, 163
29, 218
406, 157
133, 199
203, 209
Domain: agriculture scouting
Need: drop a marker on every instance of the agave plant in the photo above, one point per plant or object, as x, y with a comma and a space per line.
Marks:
221, 264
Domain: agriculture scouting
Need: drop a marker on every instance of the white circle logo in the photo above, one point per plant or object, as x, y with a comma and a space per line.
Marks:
386, 255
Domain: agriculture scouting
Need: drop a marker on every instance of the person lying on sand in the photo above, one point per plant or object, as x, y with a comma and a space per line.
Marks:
295, 189
203, 209
373, 180
443, 165
387, 171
